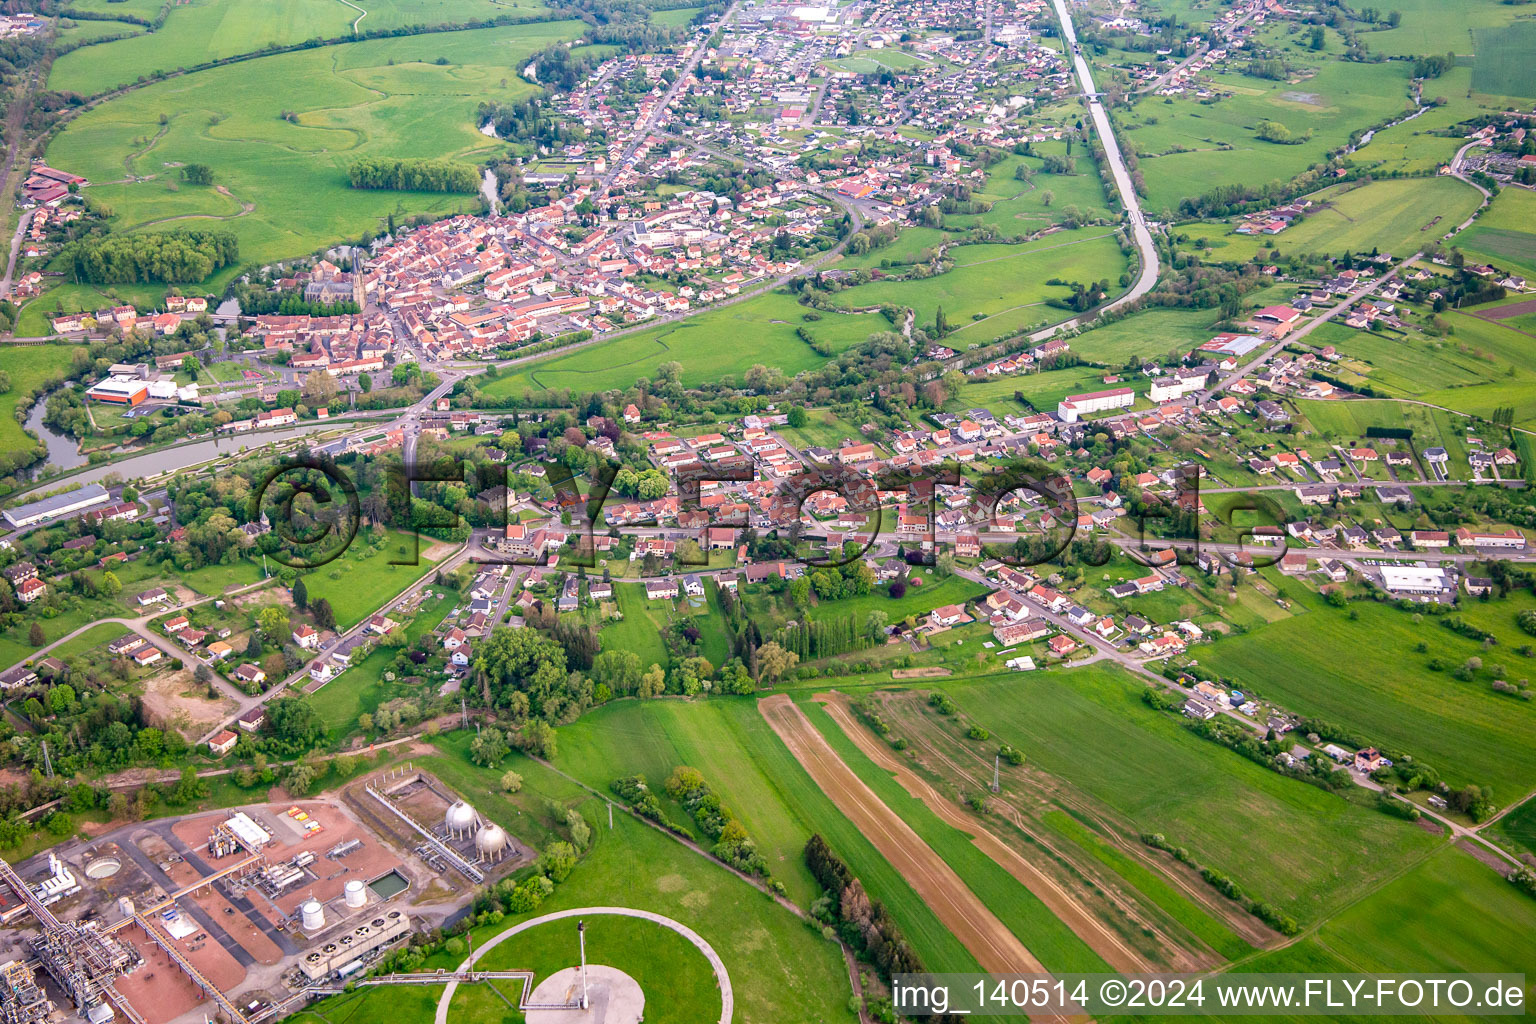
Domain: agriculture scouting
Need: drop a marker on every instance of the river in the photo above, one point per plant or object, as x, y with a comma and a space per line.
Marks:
63, 452
488, 189
164, 459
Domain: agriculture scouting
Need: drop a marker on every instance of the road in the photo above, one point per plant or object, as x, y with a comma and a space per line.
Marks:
1339, 307
684, 75
1145, 247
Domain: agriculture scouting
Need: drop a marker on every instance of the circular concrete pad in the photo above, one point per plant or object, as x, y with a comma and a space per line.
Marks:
613, 997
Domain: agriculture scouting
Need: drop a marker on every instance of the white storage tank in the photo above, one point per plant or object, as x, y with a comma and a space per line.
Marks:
356, 895
460, 818
491, 841
313, 915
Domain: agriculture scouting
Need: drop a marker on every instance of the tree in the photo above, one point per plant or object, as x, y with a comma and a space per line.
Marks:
798, 416
273, 623
558, 860
774, 661
293, 726
61, 698
111, 586
875, 623
197, 174
35, 635
653, 683
511, 782
300, 594
489, 748
364, 383
325, 617
1047, 197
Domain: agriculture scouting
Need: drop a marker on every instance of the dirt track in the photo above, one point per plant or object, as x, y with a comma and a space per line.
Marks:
960, 910
1072, 913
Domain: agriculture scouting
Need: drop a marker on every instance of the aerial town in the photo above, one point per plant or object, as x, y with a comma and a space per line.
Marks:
714, 510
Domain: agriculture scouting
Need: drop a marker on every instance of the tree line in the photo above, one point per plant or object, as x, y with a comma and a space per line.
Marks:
170, 256
413, 175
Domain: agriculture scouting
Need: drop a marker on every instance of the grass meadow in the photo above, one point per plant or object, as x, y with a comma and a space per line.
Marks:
201, 31
710, 345
280, 181
1217, 138
1463, 729
994, 290
1420, 922
1306, 851
28, 366
1506, 232
1399, 216
361, 580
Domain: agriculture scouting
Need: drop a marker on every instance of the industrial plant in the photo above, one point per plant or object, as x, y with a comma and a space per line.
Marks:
243, 915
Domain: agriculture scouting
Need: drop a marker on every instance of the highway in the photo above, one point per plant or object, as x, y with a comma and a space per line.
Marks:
1145, 247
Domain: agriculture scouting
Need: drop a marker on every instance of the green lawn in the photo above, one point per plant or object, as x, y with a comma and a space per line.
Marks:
640, 629
678, 982
280, 184
1306, 851
1150, 334
362, 687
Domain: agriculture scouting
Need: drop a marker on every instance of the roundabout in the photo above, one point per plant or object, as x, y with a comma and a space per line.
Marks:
614, 997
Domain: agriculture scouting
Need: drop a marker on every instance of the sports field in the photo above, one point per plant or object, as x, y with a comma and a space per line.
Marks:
280, 183
709, 345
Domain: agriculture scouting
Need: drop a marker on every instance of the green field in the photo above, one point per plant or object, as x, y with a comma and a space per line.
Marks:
997, 289
68, 297
1506, 232
1149, 334
1307, 851
758, 778
1019, 206
1503, 66
1438, 26
1398, 216
1218, 138
280, 185
759, 330
201, 31
362, 687
28, 366
1463, 729
1051, 941
1449, 913
360, 581
679, 983
641, 627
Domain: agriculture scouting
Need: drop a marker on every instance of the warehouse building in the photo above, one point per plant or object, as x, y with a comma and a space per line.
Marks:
58, 505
